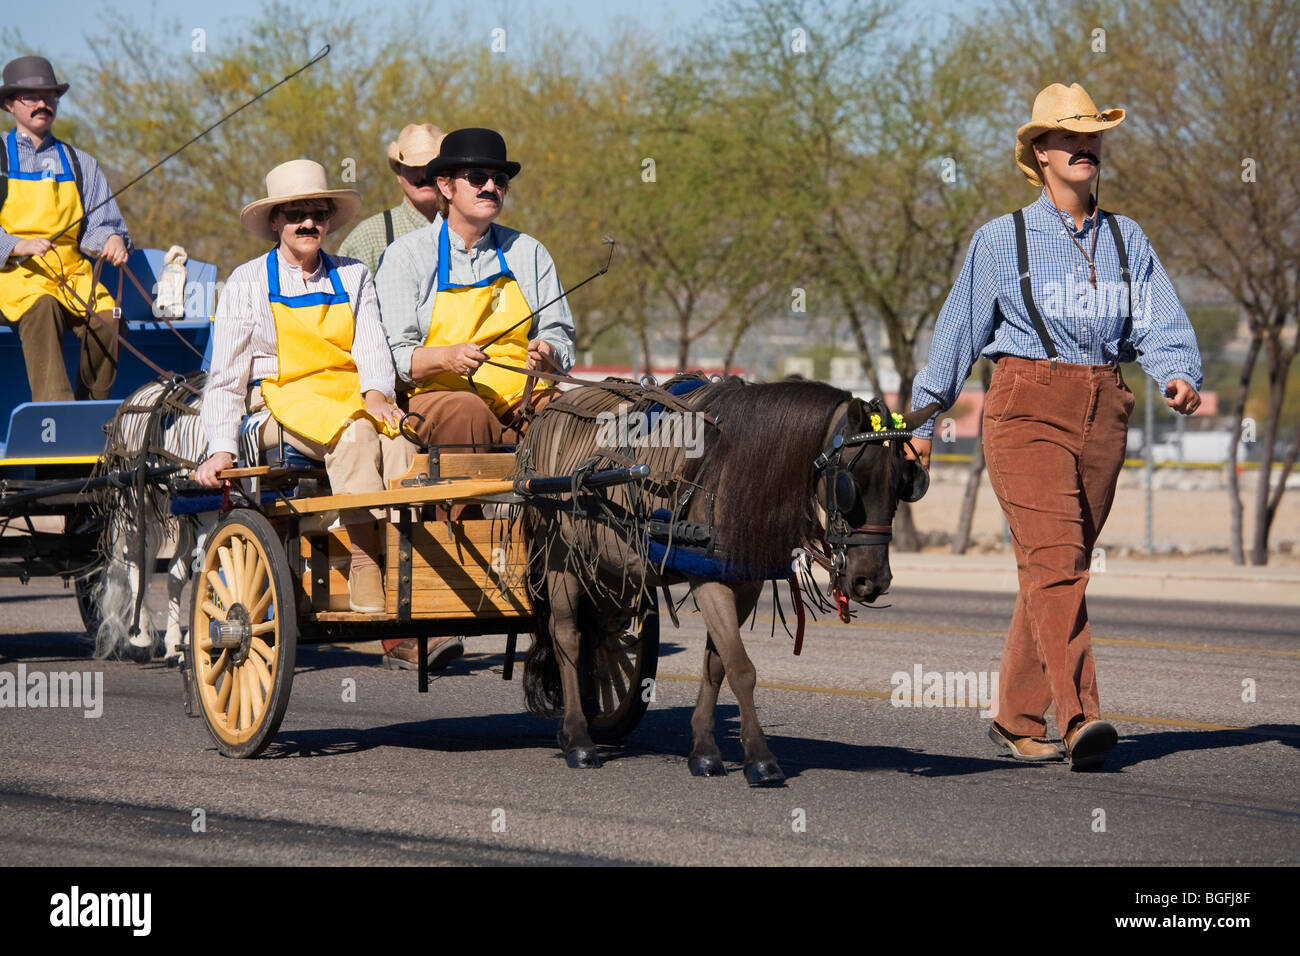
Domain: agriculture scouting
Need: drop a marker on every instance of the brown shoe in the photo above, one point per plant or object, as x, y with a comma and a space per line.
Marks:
1024, 748
366, 590
442, 651
1088, 742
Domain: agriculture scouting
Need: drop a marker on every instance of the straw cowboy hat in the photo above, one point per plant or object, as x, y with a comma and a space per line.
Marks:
29, 74
291, 181
1060, 107
417, 145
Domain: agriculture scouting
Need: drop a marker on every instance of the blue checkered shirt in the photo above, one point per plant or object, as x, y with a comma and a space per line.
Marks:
985, 314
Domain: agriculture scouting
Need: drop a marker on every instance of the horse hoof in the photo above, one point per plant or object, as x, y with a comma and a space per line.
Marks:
709, 766
763, 773
580, 759
140, 654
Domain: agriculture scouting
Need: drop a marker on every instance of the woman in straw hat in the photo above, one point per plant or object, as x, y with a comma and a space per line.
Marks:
1057, 294
303, 330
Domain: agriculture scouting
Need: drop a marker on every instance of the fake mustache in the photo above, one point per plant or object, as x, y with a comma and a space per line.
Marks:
42, 112
489, 194
307, 232
1080, 156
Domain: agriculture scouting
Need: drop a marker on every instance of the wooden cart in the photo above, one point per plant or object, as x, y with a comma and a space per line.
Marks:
272, 577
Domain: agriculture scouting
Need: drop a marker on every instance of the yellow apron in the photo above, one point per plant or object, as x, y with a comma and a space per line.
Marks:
478, 313
39, 205
317, 389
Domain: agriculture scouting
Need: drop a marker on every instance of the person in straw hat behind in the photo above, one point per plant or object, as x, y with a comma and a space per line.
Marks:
56, 213
1057, 294
298, 336
408, 157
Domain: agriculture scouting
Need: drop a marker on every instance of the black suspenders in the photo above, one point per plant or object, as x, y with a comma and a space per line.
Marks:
1128, 277
1027, 289
388, 228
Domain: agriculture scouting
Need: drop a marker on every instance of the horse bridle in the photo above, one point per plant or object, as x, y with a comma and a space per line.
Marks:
841, 490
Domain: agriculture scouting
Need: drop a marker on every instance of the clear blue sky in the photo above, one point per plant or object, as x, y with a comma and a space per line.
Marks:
59, 30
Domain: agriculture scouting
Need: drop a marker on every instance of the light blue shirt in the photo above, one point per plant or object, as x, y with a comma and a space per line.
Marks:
103, 222
985, 313
407, 282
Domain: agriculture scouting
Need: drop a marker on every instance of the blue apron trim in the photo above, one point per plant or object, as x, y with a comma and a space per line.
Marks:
11, 145
444, 261
307, 299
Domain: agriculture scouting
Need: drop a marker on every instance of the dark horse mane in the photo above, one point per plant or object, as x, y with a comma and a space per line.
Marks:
760, 466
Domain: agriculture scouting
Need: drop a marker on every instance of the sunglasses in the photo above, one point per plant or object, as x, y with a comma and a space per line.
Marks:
478, 178
31, 99
315, 213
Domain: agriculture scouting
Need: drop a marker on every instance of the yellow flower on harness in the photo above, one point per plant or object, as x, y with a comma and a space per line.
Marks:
878, 426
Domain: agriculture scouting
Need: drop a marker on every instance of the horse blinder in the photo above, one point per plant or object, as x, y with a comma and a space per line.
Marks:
914, 482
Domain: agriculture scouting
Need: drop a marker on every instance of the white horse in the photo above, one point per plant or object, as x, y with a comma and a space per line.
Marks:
158, 425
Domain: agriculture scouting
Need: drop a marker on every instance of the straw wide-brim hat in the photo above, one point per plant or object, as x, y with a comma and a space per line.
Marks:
1060, 107
417, 145
294, 180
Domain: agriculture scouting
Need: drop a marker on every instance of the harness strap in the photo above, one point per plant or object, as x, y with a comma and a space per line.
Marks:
121, 340
148, 297
663, 396
388, 228
1026, 286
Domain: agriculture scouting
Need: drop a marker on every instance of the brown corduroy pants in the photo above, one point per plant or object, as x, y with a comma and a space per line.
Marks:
41, 329
1054, 441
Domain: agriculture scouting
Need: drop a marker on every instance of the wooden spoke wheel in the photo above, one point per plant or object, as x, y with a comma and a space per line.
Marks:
245, 635
626, 660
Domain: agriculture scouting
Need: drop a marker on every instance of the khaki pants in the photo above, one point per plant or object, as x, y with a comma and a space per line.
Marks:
361, 460
41, 329
1054, 440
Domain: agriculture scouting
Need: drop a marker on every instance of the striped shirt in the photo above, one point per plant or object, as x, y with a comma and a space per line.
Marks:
104, 222
244, 344
368, 239
407, 283
985, 314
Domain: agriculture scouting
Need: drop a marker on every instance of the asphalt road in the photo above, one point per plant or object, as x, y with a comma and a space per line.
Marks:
463, 776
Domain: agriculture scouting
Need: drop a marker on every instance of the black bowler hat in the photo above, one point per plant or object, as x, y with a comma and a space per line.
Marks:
473, 147
29, 74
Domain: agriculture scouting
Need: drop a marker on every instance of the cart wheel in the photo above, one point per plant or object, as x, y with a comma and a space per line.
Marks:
85, 590
245, 635
626, 662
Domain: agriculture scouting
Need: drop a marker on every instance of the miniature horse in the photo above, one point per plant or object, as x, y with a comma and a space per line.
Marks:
775, 475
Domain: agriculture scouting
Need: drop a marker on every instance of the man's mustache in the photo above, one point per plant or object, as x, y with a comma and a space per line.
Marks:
1084, 154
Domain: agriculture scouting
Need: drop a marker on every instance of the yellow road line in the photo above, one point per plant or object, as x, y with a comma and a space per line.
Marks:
943, 629
885, 695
